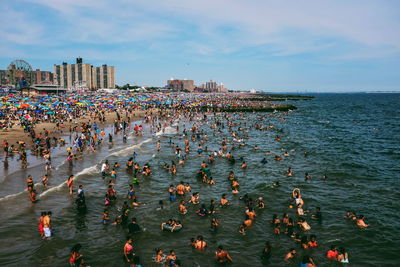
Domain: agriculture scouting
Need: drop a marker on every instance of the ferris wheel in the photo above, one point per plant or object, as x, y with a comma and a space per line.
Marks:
20, 73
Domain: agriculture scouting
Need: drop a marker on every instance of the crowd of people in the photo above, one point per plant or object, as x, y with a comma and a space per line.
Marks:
192, 143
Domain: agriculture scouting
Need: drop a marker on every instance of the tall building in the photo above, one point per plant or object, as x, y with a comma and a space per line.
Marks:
221, 88
211, 86
180, 85
103, 77
84, 76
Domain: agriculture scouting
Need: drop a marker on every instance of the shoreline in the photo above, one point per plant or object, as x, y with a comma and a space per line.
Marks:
16, 133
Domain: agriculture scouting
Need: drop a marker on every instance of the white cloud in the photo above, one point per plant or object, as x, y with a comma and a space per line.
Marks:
16, 28
368, 23
220, 26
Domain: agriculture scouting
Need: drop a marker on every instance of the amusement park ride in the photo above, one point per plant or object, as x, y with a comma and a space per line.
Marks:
20, 74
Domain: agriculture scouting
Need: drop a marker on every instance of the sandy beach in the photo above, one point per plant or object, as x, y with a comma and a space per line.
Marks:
16, 133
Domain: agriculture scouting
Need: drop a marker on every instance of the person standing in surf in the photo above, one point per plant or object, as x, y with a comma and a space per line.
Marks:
70, 182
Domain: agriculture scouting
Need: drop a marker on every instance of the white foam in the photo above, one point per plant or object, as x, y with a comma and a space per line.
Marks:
89, 170
129, 149
62, 163
169, 130
12, 196
166, 130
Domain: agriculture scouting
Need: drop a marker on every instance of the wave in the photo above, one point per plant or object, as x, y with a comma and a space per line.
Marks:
90, 170
129, 149
61, 164
166, 130
12, 196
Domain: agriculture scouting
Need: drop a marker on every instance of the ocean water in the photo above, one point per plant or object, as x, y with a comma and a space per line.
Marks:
352, 138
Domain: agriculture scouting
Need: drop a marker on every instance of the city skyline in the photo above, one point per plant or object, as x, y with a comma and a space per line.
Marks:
265, 45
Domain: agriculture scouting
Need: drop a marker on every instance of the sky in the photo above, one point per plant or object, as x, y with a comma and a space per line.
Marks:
268, 45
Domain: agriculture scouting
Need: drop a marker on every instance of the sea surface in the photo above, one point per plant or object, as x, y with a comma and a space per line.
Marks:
353, 139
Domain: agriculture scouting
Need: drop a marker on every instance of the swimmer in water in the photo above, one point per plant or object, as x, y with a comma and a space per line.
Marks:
242, 229
195, 198
76, 258
113, 173
171, 191
222, 255
160, 257
275, 184
332, 253
289, 172
203, 211
47, 224
290, 255
244, 165
32, 196
182, 208
361, 223
106, 217
264, 161
70, 182
251, 213
300, 211
29, 183
180, 189
223, 201
248, 222
307, 261
171, 259
313, 242
214, 224
44, 180
304, 225
158, 146
297, 197
343, 257
131, 193
200, 244
188, 188
129, 164
261, 203
318, 214
128, 250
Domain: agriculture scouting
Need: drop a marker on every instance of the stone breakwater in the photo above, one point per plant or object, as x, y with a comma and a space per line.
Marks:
268, 108
264, 97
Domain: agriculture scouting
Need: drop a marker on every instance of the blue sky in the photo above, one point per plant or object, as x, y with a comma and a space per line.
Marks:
290, 45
